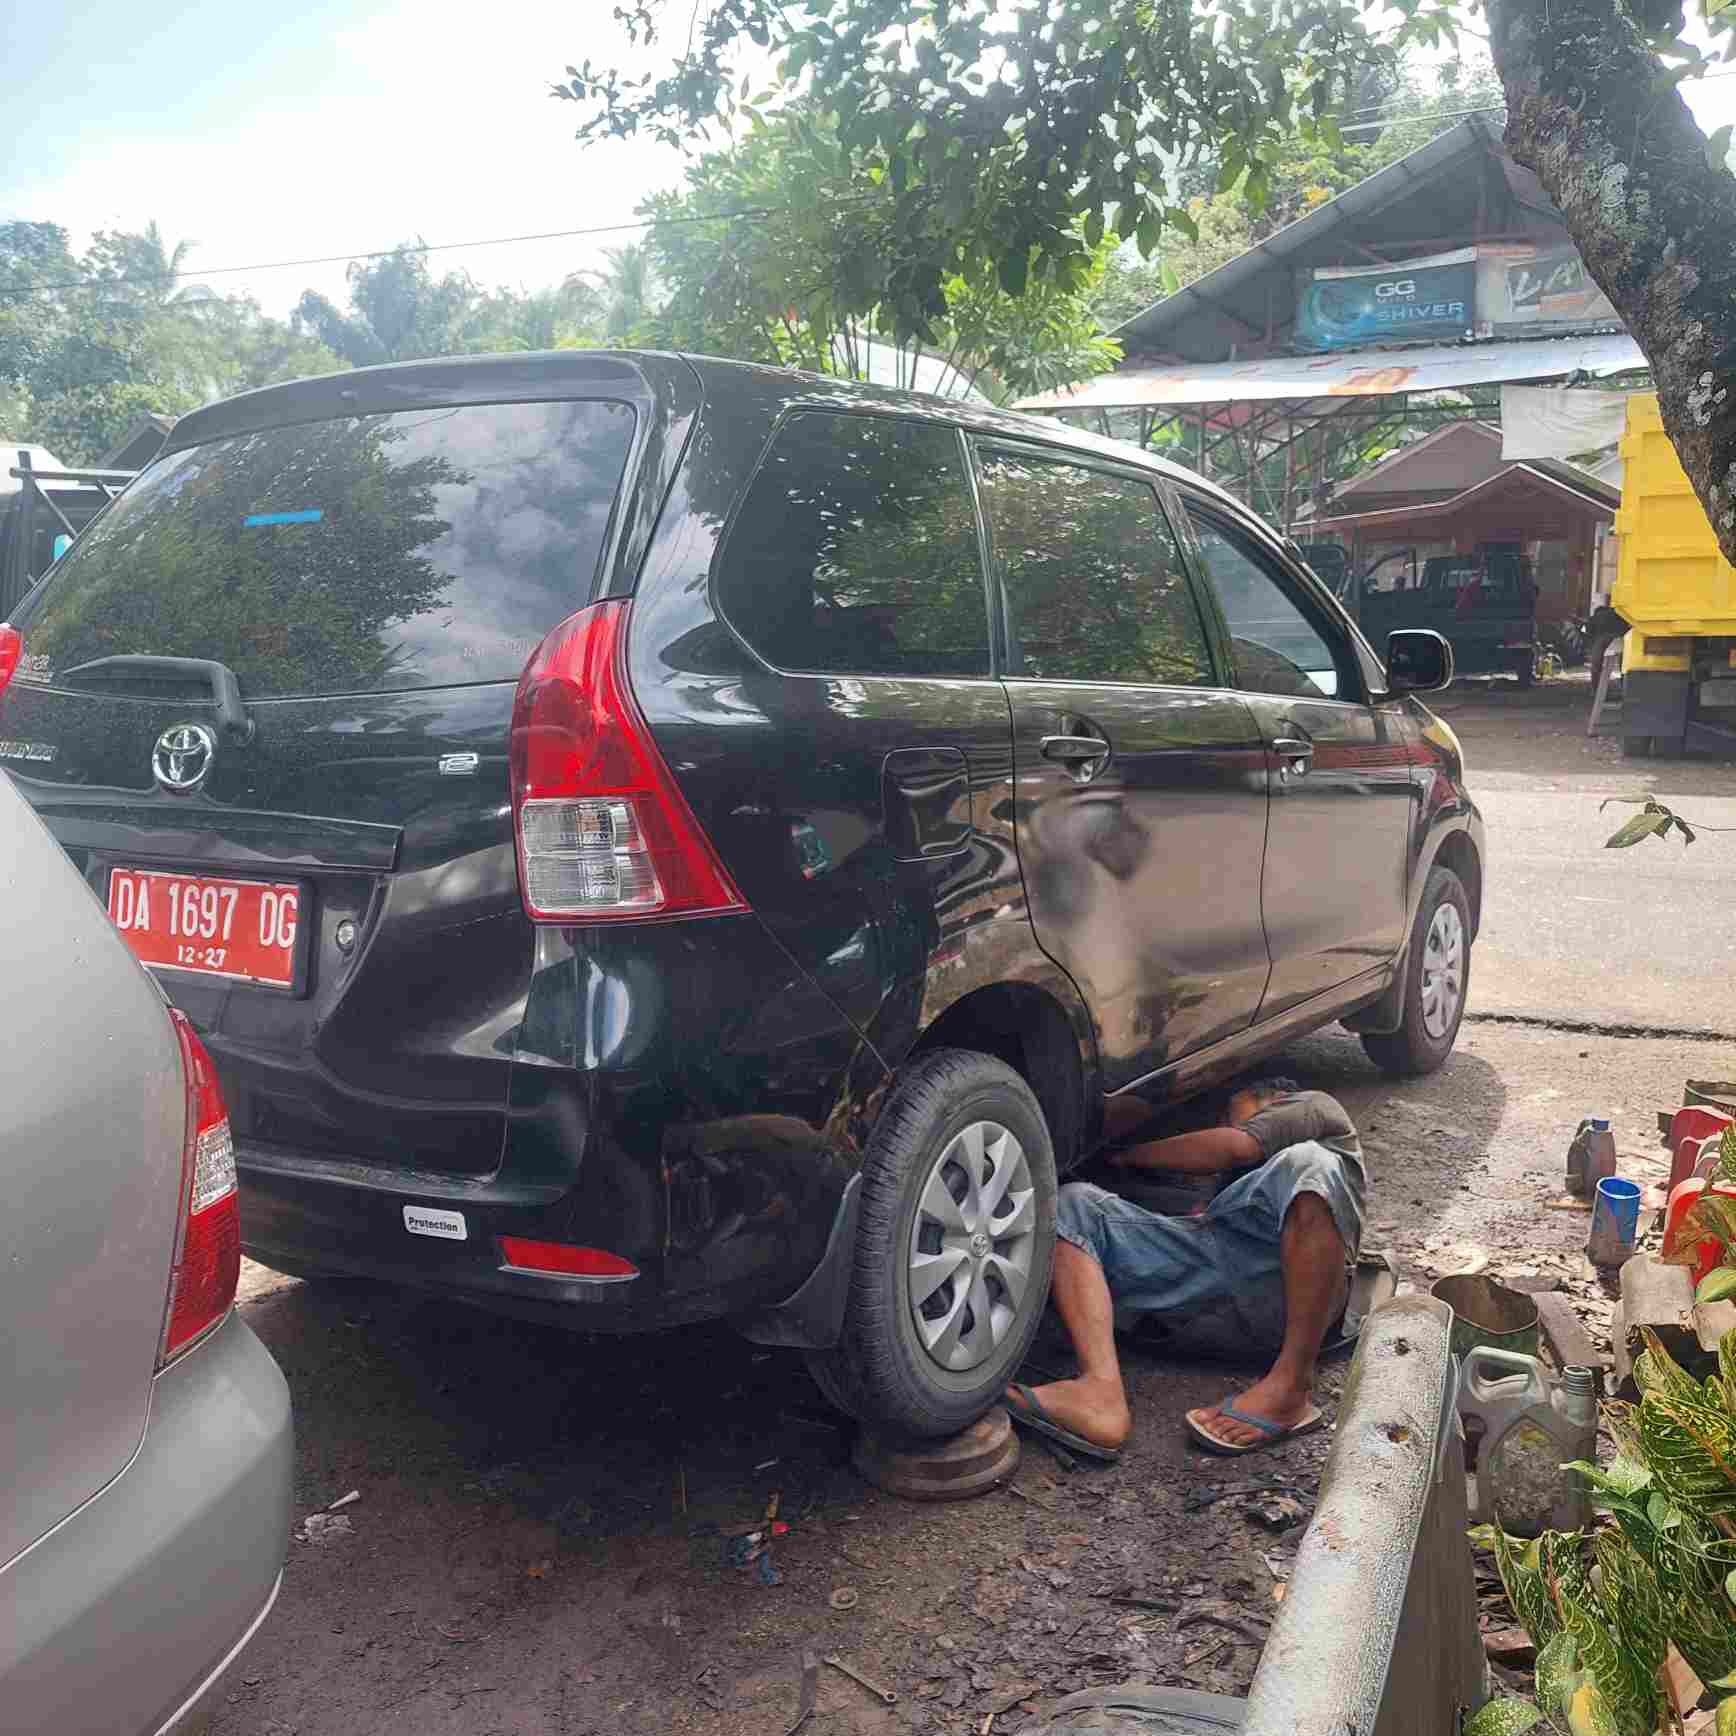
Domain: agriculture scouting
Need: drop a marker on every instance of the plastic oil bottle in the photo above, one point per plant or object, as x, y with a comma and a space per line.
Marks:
1533, 1425
1591, 1156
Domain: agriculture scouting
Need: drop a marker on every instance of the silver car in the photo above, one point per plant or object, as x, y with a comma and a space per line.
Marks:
145, 1442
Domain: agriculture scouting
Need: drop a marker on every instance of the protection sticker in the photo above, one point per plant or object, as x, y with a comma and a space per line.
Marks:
425, 1221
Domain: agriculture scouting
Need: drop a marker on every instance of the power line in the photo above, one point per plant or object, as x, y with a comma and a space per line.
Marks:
385, 252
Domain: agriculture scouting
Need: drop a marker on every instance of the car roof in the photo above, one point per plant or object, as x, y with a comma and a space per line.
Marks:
524, 377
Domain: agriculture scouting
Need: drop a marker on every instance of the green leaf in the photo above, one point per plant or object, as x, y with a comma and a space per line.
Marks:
1718, 147
1717, 1286
1503, 1717
1150, 231
1727, 1154
1094, 229
1168, 278
1640, 826
1730, 1592
1015, 271
1660, 1514
1724, 1723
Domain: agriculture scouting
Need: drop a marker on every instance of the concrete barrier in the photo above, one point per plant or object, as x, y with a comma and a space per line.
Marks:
1378, 1634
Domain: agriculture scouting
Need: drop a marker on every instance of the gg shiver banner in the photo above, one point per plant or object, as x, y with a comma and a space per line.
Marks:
1421, 300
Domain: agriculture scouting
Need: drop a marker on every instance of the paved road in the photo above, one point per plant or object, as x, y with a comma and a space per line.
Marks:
1644, 936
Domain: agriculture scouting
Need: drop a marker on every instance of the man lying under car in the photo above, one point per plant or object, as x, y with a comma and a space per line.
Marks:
1273, 1252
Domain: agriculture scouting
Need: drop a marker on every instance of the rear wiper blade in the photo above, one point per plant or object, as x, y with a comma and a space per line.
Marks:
232, 715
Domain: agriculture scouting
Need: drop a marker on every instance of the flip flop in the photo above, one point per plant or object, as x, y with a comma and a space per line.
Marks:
1271, 1432
1027, 1413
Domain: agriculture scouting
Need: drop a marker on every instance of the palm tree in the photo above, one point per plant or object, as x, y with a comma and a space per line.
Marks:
628, 284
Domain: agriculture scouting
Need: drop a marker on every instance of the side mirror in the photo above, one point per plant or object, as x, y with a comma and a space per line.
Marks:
1418, 660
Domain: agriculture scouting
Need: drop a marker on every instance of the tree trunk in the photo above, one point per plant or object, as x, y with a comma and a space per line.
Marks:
1591, 111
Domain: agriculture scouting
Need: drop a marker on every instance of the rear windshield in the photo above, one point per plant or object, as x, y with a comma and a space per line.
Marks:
426, 548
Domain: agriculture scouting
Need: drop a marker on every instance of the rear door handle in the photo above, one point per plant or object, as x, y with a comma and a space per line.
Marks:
1295, 755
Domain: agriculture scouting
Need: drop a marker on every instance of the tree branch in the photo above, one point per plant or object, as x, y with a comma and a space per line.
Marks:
1596, 115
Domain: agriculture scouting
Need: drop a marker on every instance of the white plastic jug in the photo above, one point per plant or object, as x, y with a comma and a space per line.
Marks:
1533, 1424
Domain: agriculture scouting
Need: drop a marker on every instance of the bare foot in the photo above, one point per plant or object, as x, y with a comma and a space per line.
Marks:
1274, 1399
1095, 1410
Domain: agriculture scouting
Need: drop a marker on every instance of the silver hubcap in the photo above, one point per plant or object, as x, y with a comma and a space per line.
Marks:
971, 1246
1443, 971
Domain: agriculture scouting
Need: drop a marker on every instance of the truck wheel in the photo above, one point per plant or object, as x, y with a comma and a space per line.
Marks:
1636, 747
953, 1251
1437, 976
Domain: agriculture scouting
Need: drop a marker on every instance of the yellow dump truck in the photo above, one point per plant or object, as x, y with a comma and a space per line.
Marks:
1677, 594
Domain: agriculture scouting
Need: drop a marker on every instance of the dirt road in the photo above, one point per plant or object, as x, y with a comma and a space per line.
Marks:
537, 1545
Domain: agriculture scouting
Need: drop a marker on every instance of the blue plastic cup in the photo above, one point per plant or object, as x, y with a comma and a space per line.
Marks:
1615, 1221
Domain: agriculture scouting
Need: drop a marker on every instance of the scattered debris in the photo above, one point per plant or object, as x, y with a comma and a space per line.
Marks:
345, 1500
322, 1528
810, 1691
886, 1695
539, 1570
1511, 1646
1035, 1500
1278, 1512
845, 1597
1204, 1494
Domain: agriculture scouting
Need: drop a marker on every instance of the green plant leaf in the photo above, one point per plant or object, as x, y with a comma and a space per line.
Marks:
1503, 1717
1718, 147
1717, 1286
1640, 826
1724, 1722
1727, 1154
1730, 1585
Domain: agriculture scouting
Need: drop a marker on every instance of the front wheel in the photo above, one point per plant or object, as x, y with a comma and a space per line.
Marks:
953, 1250
1437, 976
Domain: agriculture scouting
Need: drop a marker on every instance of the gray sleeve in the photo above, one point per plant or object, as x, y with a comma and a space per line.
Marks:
1291, 1120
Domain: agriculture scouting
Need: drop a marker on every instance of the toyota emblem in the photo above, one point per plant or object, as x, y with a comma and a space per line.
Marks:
183, 756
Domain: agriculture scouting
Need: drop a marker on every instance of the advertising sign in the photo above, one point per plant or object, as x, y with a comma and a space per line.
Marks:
1535, 286
1422, 300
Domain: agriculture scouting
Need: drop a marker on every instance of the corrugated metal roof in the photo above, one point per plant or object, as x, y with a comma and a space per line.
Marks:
1229, 305
1348, 374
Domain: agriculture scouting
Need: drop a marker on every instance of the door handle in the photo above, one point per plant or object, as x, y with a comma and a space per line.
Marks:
1295, 755
1071, 749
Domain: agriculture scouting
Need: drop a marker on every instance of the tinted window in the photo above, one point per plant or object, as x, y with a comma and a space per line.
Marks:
855, 552
424, 548
1277, 648
1094, 585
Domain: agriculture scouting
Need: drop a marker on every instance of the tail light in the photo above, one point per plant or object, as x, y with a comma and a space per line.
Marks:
603, 831
11, 651
208, 1235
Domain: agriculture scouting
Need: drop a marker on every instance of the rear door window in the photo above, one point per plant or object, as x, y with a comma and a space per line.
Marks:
424, 548
1094, 583
855, 552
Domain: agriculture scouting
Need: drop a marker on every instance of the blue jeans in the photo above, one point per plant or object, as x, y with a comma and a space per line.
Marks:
1215, 1279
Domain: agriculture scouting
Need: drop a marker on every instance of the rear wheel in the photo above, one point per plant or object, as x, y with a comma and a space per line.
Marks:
953, 1251
1437, 976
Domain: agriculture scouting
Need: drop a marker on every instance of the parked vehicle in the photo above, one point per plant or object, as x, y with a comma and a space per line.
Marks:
43, 506
1484, 605
650, 839
146, 1432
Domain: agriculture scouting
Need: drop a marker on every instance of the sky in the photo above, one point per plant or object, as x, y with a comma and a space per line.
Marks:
266, 133
279, 132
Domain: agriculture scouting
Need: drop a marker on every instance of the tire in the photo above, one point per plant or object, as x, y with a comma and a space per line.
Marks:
939, 1120
1414, 1048
1636, 747
1525, 670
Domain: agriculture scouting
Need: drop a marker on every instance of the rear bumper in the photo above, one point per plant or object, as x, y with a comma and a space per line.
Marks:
117, 1622
682, 1096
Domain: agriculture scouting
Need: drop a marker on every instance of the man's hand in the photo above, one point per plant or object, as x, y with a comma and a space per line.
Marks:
1206, 1152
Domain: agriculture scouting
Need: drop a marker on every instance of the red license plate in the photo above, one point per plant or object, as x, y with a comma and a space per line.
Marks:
244, 929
